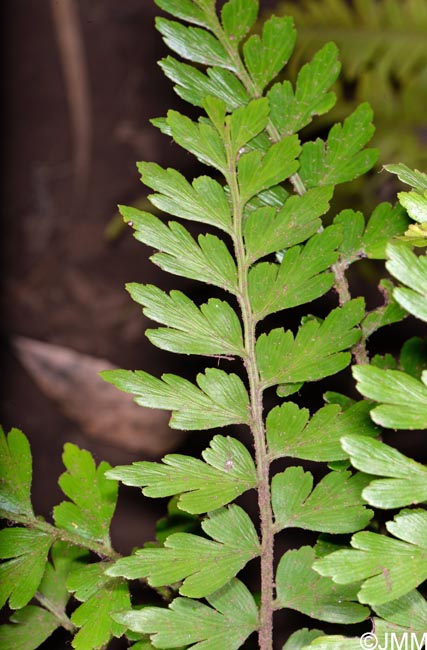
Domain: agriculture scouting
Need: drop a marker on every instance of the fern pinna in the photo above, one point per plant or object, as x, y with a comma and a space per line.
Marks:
270, 253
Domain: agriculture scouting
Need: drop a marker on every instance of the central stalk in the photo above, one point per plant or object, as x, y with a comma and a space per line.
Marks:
256, 406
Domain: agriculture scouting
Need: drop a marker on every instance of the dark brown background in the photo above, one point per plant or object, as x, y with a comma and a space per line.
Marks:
63, 281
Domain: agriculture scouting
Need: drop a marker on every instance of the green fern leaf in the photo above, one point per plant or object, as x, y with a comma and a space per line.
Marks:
408, 612
403, 398
101, 597
412, 177
266, 55
238, 16
190, 557
194, 86
257, 173
64, 559
201, 139
290, 111
353, 225
20, 576
290, 432
16, 473
232, 617
228, 472
221, 399
245, 123
315, 352
194, 44
204, 200
32, 625
334, 506
207, 261
335, 642
411, 270
407, 480
93, 497
268, 231
323, 600
184, 9
300, 278
142, 645
212, 329
301, 638
385, 222
389, 567
28, 629
342, 158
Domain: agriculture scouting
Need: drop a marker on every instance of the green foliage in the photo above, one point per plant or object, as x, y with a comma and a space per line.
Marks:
403, 398
315, 352
16, 473
383, 50
28, 628
404, 617
271, 250
230, 619
290, 433
322, 600
93, 495
21, 575
390, 567
212, 329
192, 557
414, 201
412, 272
228, 472
101, 597
340, 158
291, 110
40, 559
334, 506
220, 399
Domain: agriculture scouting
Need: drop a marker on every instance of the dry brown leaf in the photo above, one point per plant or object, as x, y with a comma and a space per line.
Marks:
71, 379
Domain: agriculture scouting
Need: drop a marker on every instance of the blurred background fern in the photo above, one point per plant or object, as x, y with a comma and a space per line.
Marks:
383, 50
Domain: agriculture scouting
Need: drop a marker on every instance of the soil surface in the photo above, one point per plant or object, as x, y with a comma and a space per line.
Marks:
63, 271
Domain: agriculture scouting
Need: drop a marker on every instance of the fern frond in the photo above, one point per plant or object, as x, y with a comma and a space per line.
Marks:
383, 50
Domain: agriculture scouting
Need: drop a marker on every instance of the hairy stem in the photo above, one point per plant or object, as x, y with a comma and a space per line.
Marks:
257, 421
60, 534
341, 285
57, 612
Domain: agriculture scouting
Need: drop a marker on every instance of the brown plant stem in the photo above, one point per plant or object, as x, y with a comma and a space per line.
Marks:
57, 612
60, 534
